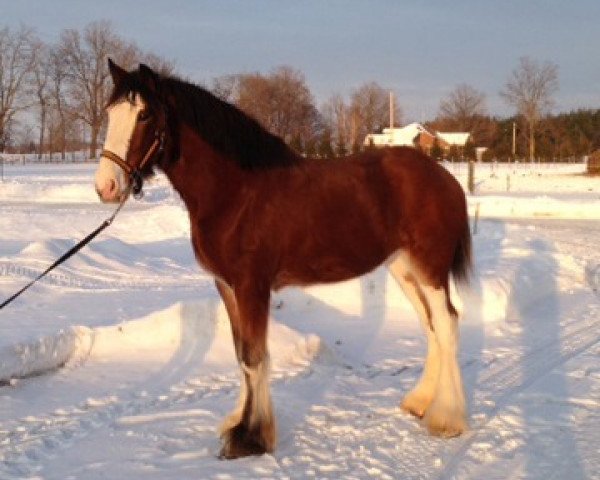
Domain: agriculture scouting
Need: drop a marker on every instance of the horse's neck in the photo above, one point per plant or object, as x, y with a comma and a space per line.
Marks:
201, 175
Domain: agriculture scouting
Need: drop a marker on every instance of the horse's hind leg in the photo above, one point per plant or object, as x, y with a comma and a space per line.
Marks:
438, 396
250, 429
446, 415
418, 399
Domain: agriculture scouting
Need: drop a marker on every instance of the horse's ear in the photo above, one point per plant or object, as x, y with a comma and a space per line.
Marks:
116, 72
149, 77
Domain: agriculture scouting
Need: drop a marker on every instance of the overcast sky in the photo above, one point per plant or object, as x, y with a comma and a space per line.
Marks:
419, 49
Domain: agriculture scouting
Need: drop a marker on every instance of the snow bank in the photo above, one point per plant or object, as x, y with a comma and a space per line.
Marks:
161, 337
534, 206
44, 354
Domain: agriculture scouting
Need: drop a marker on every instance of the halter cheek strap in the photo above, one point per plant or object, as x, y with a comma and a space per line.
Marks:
135, 176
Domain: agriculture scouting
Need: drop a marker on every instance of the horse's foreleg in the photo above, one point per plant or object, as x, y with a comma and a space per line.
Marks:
250, 430
446, 414
230, 302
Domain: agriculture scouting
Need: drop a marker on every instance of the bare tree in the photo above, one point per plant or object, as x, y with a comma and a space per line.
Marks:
85, 58
529, 89
281, 101
369, 108
464, 107
61, 110
16, 58
338, 120
40, 86
85, 55
158, 64
226, 87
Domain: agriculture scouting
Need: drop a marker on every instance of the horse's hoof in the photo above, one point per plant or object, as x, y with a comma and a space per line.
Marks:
415, 405
445, 426
239, 442
412, 411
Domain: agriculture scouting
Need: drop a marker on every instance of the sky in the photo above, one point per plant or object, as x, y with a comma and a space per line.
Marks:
419, 49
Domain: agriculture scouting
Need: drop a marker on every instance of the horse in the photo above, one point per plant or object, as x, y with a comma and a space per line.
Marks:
263, 217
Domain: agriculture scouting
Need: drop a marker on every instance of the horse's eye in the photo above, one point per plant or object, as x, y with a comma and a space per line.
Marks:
143, 115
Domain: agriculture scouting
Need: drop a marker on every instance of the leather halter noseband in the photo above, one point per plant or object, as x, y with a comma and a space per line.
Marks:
134, 173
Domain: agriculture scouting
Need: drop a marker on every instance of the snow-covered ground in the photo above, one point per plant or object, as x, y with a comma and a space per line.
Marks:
120, 363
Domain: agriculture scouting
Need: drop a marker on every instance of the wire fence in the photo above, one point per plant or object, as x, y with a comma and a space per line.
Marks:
76, 156
514, 168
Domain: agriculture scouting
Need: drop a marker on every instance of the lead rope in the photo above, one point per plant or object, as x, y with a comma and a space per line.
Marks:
73, 249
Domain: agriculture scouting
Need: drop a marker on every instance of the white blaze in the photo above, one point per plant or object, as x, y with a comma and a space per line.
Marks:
122, 118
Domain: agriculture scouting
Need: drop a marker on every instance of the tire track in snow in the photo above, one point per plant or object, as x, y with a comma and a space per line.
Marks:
504, 381
73, 280
360, 411
356, 430
501, 384
27, 442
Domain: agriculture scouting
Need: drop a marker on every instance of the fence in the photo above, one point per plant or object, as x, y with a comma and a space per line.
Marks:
76, 156
508, 177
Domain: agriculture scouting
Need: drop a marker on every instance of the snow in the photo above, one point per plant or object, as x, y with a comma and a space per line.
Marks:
454, 138
406, 136
396, 136
120, 364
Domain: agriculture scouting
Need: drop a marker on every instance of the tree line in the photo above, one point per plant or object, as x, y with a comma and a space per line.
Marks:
64, 88
64, 85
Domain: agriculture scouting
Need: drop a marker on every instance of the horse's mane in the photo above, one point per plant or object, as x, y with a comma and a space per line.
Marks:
222, 125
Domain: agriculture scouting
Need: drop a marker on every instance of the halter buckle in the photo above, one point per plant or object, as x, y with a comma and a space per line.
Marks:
137, 183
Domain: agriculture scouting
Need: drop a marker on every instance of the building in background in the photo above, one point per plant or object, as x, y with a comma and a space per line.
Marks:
416, 135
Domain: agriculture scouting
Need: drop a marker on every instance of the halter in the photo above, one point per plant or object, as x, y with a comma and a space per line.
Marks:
135, 175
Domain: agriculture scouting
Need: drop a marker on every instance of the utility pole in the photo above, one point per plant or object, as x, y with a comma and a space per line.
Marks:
354, 132
391, 110
514, 140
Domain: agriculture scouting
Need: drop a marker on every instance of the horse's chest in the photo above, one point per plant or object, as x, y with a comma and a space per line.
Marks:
205, 252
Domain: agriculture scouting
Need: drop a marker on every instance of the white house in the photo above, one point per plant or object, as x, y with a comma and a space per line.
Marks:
416, 135
395, 137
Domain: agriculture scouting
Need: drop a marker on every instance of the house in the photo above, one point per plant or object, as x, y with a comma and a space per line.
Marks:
410, 135
457, 139
416, 135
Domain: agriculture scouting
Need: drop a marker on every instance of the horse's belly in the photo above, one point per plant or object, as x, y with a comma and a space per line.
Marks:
328, 269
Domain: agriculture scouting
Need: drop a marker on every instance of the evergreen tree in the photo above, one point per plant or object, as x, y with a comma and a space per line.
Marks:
453, 153
469, 151
436, 151
296, 145
340, 149
325, 150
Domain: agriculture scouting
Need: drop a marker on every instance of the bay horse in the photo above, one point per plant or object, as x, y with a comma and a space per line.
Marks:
263, 217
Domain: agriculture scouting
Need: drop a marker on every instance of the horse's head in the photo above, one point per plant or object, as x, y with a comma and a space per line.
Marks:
135, 135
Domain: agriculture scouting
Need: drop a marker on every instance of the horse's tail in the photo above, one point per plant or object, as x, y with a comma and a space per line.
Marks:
462, 262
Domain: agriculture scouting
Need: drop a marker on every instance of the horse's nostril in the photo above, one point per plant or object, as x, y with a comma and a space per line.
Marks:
112, 186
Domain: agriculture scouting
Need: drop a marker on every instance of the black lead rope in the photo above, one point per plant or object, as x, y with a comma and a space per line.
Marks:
71, 252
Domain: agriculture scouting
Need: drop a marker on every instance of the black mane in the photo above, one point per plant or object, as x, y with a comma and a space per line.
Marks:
222, 125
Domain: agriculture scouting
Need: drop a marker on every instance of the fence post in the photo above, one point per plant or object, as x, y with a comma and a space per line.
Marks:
471, 177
